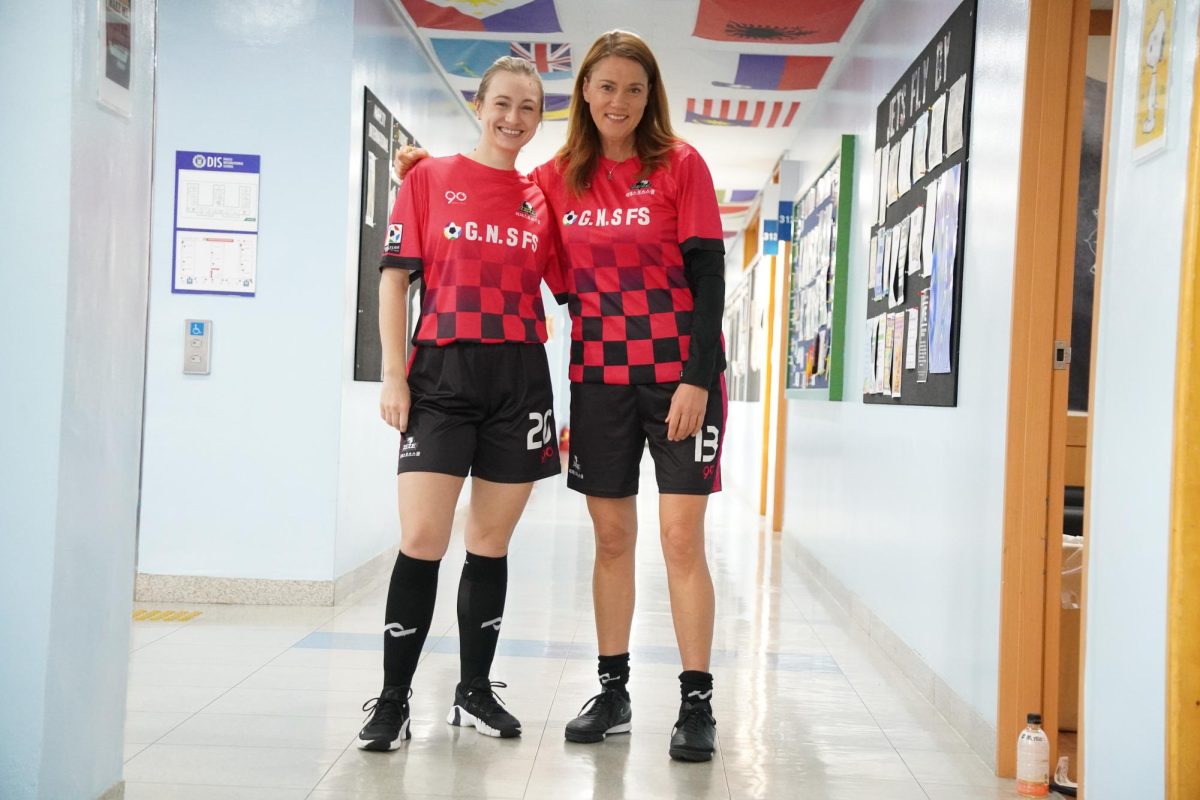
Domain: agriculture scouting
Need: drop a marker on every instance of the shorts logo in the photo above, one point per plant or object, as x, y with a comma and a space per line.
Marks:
452, 231
396, 630
708, 472
394, 235
708, 440
526, 211
409, 448
576, 469
547, 453
453, 197
569, 218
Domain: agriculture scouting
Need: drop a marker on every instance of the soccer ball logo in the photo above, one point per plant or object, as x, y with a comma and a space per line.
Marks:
452, 231
569, 218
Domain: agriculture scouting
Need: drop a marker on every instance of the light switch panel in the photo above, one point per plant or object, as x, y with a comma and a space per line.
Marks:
197, 344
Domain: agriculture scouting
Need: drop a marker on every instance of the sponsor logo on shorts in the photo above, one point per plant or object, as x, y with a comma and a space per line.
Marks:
547, 453
409, 447
576, 469
708, 472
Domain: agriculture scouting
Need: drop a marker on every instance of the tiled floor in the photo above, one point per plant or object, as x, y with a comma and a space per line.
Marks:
262, 703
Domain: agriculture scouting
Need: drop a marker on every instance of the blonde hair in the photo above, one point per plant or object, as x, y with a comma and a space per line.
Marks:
517, 66
653, 138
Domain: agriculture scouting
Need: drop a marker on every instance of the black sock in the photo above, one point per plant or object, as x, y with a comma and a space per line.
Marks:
614, 673
410, 600
481, 593
695, 686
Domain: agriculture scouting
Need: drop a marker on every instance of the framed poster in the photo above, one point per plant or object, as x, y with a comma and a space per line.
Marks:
915, 256
382, 136
215, 248
816, 285
116, 52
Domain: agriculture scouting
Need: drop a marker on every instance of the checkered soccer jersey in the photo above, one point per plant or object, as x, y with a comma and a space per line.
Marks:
481, 240
623, 243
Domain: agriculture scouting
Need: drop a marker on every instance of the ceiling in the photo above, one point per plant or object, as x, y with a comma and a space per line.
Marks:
742, 76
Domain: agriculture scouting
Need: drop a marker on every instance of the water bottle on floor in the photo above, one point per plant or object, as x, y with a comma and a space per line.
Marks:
1033, 759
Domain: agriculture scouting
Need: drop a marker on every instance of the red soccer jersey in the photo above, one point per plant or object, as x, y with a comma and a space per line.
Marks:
622, 244
481, 240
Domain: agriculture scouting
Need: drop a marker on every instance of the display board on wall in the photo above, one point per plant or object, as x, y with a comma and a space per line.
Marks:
817, 281
382, 136
915, 258
215, 245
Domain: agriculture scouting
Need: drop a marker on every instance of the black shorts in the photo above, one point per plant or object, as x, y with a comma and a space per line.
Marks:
610, 425
481, 409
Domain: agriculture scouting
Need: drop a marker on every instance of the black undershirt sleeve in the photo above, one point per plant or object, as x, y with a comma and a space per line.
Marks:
705, 270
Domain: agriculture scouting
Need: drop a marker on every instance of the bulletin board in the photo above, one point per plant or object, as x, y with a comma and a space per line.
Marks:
817, 281
382, 136
915, 256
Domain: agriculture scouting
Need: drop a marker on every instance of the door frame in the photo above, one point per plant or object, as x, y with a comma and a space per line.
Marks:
1183, 582
1043, 278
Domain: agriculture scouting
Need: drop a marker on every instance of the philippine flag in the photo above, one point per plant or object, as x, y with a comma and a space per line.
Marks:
741, 113
782, 73
497, 16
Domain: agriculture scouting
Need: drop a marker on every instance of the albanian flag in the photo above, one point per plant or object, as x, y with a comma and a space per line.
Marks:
784, 21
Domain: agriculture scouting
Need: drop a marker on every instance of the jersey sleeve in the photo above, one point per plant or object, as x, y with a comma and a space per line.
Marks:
403, 246
555, 275
699, 218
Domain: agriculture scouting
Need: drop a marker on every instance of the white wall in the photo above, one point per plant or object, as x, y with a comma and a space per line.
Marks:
1125, 662
904, 504
73, 283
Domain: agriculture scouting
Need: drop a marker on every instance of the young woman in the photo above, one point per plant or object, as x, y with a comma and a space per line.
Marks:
480, 238
644, 256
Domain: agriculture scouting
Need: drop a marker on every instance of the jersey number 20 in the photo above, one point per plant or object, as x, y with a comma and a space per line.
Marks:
542, 432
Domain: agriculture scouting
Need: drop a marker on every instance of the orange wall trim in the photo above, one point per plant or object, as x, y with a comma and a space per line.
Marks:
1183, 586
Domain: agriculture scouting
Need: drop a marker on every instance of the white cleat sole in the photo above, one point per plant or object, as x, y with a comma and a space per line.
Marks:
462, 718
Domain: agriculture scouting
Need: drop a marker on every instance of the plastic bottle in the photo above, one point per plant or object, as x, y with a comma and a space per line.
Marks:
1033, 759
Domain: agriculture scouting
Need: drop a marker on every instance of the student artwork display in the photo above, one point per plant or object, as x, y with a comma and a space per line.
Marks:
817, 281
382, 136
915, 257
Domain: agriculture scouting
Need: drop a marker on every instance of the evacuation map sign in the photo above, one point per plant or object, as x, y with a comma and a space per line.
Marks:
216, 223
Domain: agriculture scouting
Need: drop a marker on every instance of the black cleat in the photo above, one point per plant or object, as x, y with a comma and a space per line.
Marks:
388, 723
695, 733
607, 712
478, 705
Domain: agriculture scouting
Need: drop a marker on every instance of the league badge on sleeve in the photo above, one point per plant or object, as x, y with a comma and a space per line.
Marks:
394, 235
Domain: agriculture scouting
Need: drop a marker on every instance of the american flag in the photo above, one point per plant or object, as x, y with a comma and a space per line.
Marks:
741, 113
545, 57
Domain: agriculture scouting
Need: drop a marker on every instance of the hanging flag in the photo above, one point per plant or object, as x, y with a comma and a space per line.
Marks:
554, 110
546, 58
741, 113
778, 72
796, 21
497, 16
470, 58
729, 209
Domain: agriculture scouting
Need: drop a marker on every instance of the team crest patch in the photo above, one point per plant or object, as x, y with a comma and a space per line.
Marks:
452, 231
569, 218
526, 210
640, 187
395, 234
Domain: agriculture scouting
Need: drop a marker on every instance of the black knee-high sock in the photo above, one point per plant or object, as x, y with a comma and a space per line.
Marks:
410, 600
481, 593
614, 673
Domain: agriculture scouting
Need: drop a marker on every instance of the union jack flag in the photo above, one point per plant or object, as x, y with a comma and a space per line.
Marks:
546, 57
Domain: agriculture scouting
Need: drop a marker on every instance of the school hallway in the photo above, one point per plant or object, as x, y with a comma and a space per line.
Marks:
263, 702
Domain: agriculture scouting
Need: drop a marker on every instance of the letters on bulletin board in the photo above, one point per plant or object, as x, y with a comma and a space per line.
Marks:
915, 256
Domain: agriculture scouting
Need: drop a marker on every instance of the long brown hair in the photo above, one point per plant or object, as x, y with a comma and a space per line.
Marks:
653, 137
